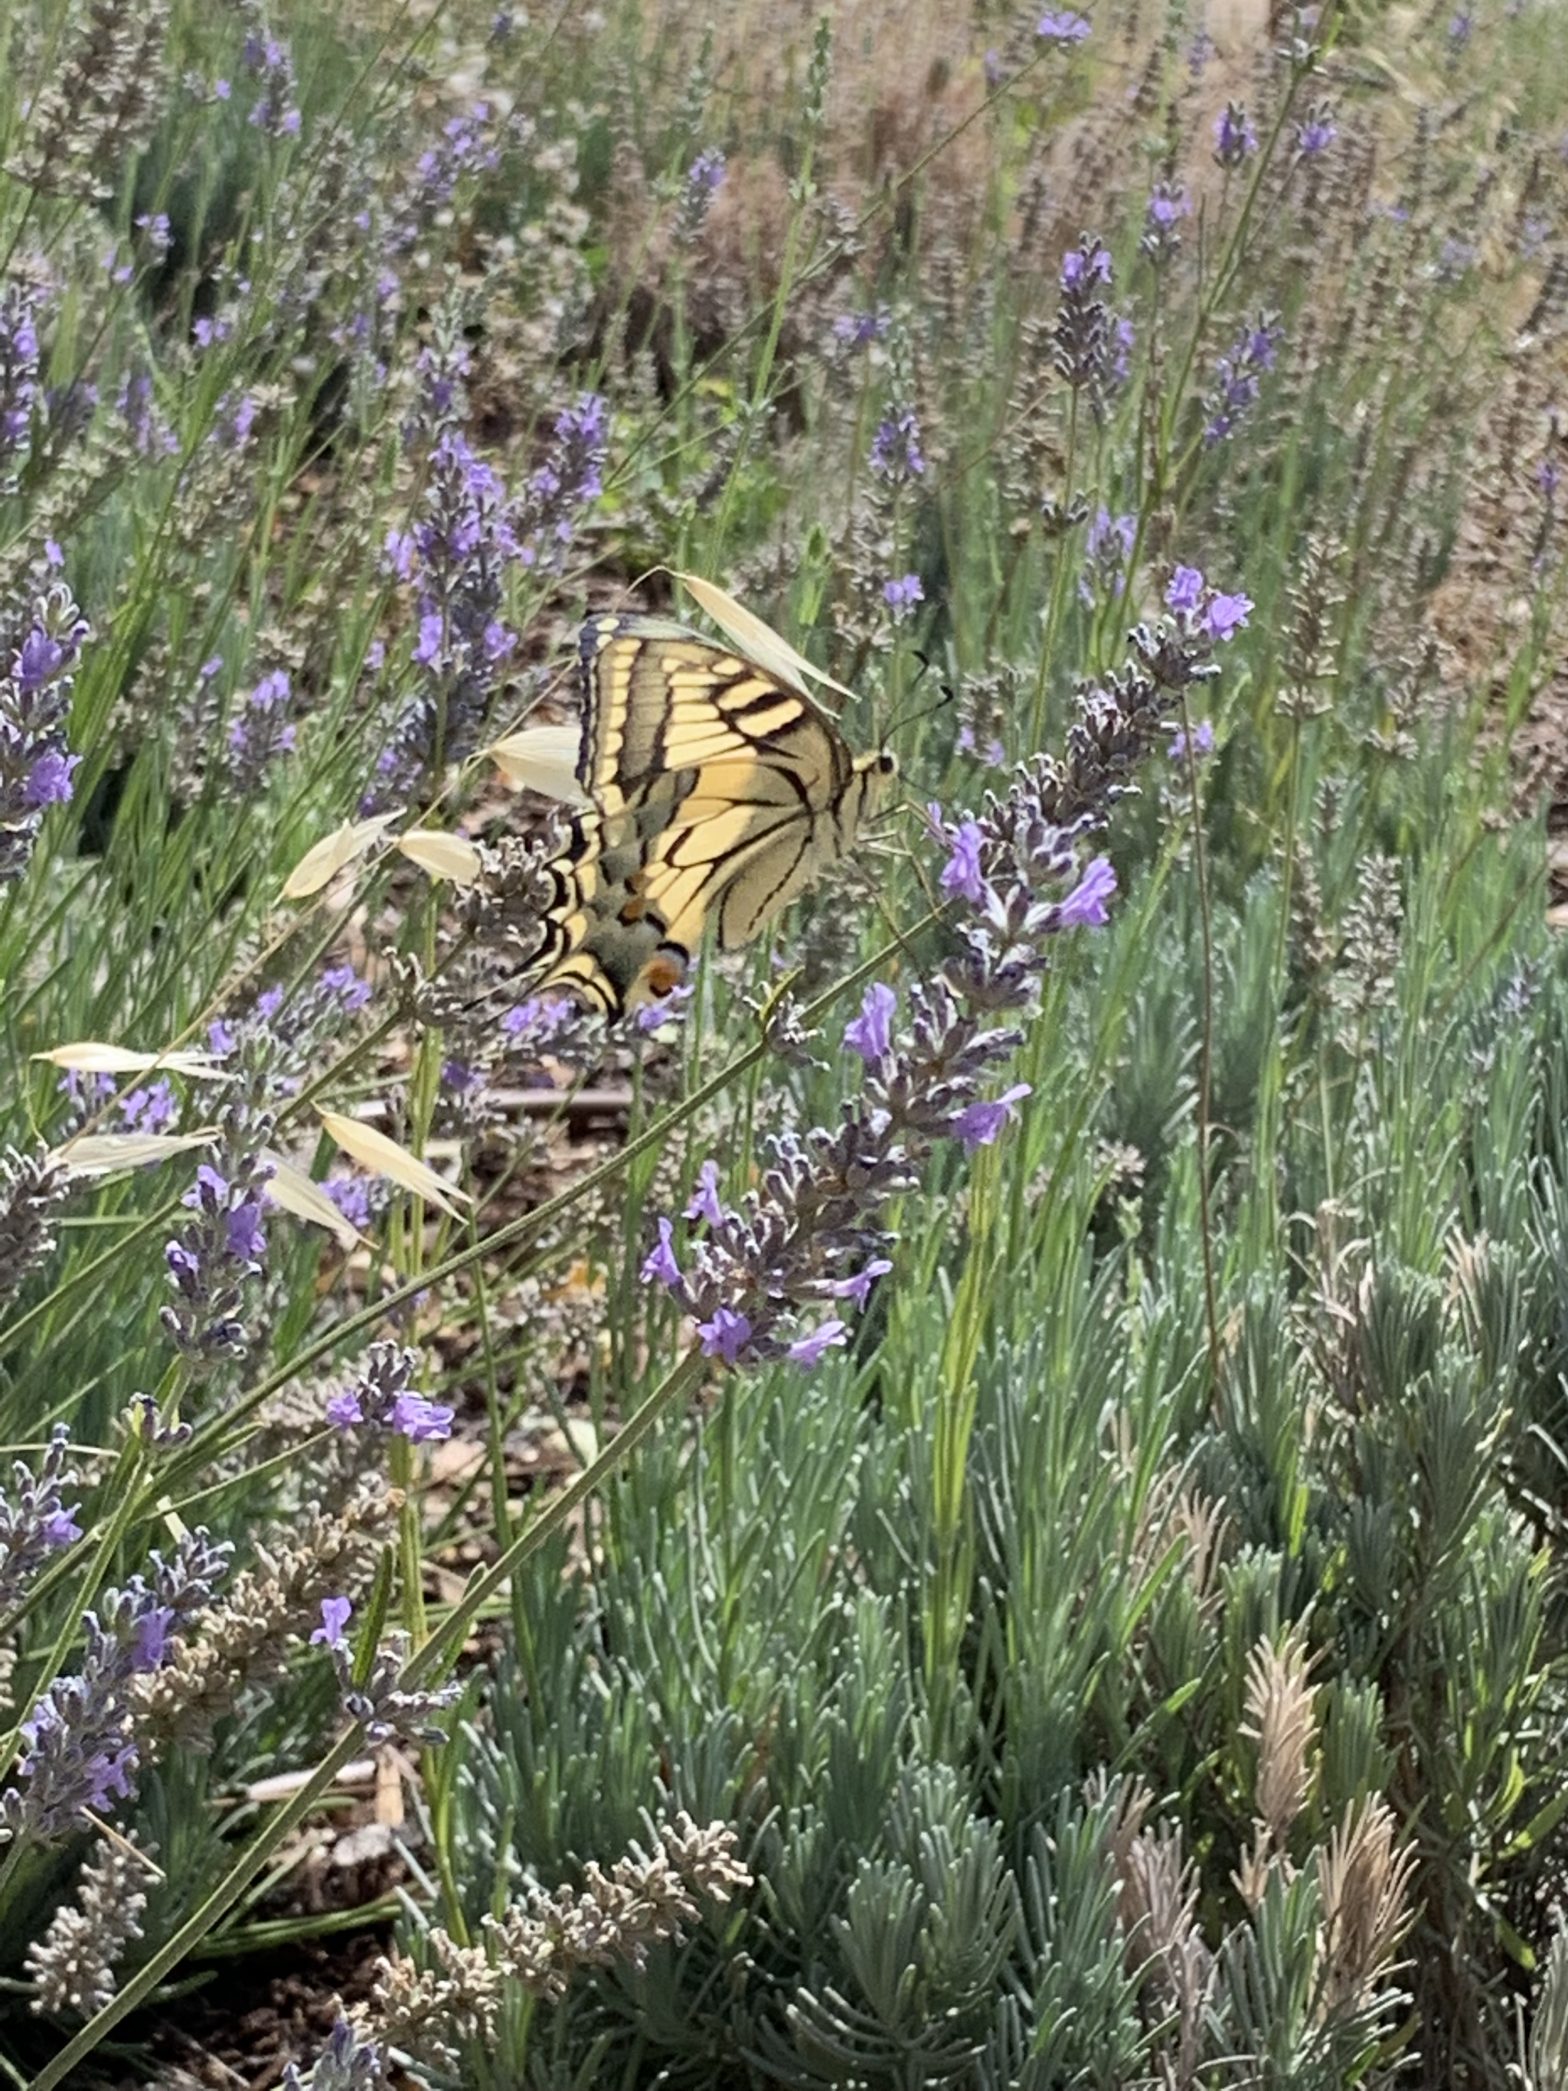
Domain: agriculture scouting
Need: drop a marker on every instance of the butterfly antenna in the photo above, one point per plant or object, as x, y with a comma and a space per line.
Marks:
948, 696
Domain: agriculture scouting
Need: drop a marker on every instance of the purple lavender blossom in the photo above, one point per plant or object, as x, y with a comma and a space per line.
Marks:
36, 765
570, 480
79, 1752
19, 374
261, 732
896, 455
860, 329
1168, 205
753, 1282
870, 1033
1124, 339
1316, 133
420, 1420
1226, 615
457, 556
1085, 264
268, 60
35, 1520
962, 873
353, 1197
155, 230
1081, 338
901, 596
706, 1204
669, 1009
704, 179
335, 1615
1237, 376
1088, 904
213, 1259
1235, 139
1108, 544
1062, 26
979, 1124
468, 147
811, 1349
150, 1109
725, 1335
348, 2062
659, 1266
1202, 741
381, 1399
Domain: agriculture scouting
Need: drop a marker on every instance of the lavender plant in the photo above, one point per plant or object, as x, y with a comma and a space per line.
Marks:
1045, 1447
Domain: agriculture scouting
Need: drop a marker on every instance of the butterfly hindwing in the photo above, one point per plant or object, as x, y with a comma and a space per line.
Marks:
716, 793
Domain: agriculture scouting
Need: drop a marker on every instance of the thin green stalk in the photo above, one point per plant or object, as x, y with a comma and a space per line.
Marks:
1211, 1311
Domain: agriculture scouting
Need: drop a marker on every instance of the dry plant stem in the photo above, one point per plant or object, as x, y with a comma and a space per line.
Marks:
437, 1655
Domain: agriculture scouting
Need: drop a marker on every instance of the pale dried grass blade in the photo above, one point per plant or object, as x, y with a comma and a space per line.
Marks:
758, 641
101, 1154
383, 1156
443, 856
89, 1056
294, 1192
323, 861
542, 759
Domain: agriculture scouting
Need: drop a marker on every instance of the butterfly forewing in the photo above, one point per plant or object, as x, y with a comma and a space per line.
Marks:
716, 794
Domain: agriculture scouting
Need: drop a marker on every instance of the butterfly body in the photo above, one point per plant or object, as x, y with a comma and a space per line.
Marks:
715, 793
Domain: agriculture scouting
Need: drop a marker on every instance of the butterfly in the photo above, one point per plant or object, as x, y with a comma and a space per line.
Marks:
714, 792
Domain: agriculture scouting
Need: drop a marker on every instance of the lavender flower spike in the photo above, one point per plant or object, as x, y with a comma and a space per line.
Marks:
80, 1752
34, 1519
36, 765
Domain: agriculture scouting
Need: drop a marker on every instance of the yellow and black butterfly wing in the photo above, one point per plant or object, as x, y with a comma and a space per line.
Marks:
716, 794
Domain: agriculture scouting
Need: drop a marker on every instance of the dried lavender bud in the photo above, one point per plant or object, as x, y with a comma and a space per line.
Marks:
247, 1637
34, 1519
31, 1188
102, 103
73, 1964
80, 1748
550, 1936
36, 765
